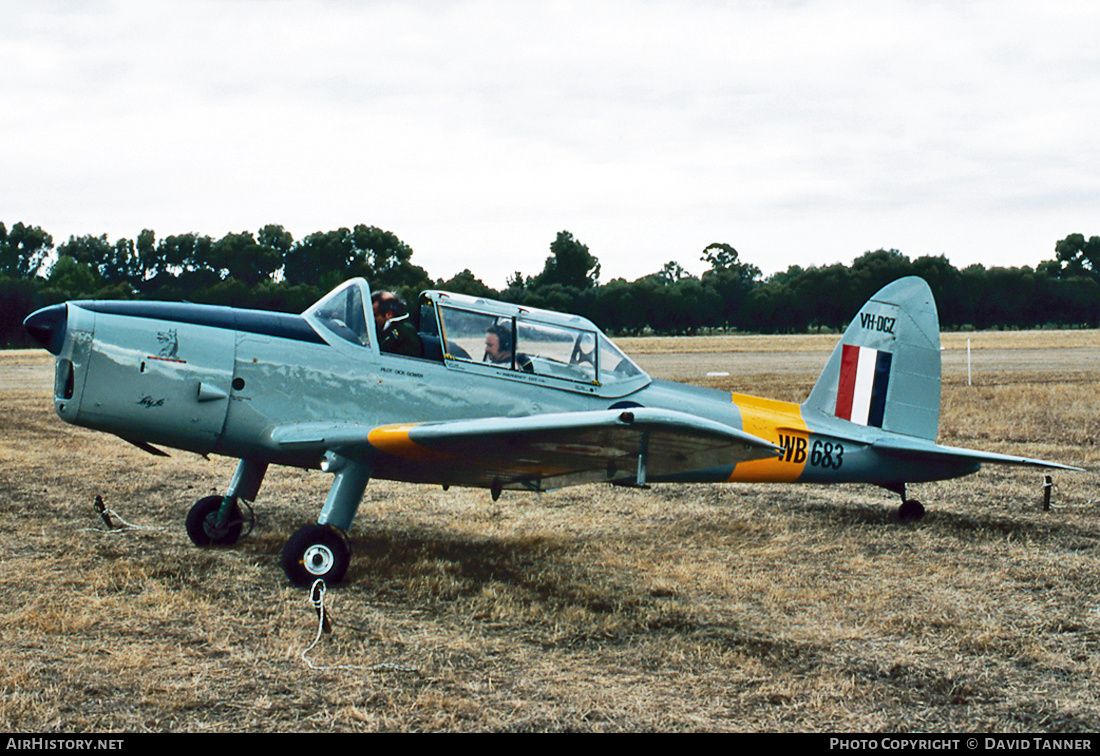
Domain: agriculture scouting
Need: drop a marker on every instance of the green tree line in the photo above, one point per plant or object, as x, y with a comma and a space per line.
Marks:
272, 270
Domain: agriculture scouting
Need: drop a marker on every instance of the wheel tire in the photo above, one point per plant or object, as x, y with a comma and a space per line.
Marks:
316, 552
911, 510
201, 523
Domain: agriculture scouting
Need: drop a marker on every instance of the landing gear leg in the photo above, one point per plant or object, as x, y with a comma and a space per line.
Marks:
247, 479
322, 551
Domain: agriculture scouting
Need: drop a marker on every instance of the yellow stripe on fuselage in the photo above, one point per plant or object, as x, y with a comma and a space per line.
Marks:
782, 424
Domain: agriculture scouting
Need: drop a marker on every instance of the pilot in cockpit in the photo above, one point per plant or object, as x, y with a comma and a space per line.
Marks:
395, 333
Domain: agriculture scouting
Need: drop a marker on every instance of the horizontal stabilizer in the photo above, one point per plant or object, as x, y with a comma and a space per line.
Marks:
912, 450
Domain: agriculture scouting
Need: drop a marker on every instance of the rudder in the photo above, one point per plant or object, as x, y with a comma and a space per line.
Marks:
885, 372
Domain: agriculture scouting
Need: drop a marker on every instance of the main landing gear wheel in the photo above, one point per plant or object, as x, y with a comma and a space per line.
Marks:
910, 510
202, 523
316, 552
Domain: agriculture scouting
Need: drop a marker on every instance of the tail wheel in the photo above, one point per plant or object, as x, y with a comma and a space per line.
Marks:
202, 523
910, 510
316, 552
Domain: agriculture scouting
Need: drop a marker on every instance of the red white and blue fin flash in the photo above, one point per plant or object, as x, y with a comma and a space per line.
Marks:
864, 380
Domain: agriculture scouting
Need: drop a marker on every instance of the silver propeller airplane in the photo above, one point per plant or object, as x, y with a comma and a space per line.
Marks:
499, 397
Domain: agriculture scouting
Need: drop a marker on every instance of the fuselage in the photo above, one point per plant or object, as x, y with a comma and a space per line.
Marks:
219, 380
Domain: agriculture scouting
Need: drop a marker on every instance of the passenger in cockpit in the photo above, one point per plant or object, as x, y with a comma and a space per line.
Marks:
498, 345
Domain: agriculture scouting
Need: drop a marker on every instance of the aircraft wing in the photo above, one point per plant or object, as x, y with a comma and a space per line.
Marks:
916, 449
539, 451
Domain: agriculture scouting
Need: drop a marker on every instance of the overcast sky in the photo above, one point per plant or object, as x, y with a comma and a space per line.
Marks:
799, 132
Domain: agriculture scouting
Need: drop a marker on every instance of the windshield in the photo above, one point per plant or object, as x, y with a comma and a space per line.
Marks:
343, 313
614, 365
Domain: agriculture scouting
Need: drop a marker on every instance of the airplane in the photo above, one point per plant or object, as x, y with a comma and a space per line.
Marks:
500, 396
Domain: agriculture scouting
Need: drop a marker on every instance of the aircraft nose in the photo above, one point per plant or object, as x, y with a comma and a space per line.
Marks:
47, 326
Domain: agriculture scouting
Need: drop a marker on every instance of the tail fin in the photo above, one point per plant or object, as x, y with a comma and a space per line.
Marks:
885, 372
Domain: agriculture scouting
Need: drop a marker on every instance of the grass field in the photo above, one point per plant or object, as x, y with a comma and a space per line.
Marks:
716, 608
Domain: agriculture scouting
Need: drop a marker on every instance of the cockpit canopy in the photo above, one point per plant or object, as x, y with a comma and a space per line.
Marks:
488, 337
508, 337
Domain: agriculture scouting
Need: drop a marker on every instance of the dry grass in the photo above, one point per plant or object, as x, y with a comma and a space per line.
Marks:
639, 345
743, 608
